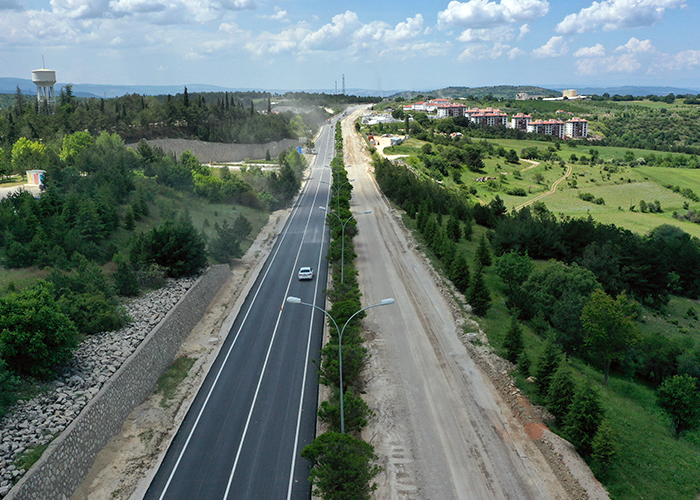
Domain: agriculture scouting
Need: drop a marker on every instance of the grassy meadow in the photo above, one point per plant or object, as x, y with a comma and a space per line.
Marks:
621, 187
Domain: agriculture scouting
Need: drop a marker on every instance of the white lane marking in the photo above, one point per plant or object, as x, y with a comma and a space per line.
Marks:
269, 350
228, 353
306, 366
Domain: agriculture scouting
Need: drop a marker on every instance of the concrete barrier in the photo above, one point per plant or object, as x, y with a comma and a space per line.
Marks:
68, 459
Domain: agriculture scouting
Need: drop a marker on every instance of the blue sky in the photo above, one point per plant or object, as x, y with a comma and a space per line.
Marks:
389, 45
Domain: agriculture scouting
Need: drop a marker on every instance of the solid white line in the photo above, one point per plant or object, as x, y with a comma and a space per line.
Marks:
267, 355
223, 364
306, 368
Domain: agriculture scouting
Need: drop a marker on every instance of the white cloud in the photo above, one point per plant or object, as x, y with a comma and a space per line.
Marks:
237, 4
617, 14
486, 35
481, 52
279, 14
515, 52
683, 61
334, 35
635, 45
555, 47
596, 51
484, 14
135, 6
80, 9
524, 31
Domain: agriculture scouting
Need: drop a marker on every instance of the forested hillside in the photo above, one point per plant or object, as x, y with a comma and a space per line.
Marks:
112, 221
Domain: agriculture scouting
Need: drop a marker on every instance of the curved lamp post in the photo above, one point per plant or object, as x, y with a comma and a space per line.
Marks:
342, 252
337, 189
297, 300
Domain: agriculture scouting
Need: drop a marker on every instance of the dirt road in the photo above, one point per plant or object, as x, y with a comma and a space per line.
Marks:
441, 429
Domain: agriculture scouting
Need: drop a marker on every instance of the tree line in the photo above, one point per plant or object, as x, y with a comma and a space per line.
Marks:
584, 300
240, 117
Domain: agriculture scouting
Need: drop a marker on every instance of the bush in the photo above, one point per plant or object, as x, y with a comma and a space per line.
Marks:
35, 335
355, 411
342, 467
126, 281
176, 246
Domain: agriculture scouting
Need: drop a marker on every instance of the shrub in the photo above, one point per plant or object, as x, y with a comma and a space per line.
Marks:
342, 467
35, 335
176, 246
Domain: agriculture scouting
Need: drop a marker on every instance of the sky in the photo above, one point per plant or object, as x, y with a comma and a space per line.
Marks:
374, 45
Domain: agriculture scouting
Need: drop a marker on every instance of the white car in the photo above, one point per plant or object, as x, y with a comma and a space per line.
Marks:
306, 273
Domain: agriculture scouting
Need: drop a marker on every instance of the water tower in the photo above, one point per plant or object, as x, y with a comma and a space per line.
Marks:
44, 80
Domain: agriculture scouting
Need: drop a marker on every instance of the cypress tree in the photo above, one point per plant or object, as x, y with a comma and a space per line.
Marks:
604, 448
478, 294
524, 363
483, 253
561, 390
513, 340
454, 232
584, 417
129, 223
459, 273
545, 368
125, 280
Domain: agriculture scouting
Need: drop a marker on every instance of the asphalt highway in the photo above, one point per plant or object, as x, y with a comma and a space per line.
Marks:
243, 434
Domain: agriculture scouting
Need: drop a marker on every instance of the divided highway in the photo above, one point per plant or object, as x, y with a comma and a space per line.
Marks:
256, 410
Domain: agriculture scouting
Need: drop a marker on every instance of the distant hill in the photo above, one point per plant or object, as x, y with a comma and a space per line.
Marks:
500, 91
9, 86
634, 91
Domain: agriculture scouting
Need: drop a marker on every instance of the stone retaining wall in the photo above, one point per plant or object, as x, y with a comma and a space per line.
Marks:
220, 152
67, 460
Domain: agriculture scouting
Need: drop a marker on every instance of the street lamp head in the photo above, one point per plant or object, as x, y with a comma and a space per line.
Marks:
385, 302
368, 211
322, 208
296, 300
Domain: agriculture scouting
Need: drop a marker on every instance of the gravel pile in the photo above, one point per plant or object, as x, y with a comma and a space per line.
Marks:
38, 421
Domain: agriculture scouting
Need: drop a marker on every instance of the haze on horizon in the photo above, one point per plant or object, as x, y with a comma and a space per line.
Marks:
305, 45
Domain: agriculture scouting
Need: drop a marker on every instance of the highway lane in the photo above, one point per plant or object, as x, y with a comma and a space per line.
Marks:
256, 410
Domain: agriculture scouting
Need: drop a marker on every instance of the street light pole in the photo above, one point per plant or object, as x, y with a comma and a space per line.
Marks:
342, 252
337, 190
384, 302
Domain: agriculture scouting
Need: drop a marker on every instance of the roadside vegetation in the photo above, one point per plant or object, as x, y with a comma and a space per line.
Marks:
343, 466
110, 223
591, 292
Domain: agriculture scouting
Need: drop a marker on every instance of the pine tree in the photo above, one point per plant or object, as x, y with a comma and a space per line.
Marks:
513, 340
125, 280
129, 223
454, 232
546, 366
604, 448
459, 273
483, 253
584, 417
524, 363
478, 294
561, 390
